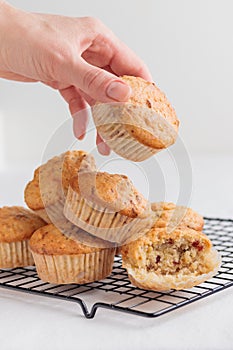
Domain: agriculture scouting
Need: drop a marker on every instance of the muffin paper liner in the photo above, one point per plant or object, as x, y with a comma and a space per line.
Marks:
78, 268
110, 121
52, 213
105, 224
125, 145
121, 141
43, 214
15, 254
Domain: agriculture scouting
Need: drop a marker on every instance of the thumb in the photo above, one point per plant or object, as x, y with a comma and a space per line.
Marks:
99, 84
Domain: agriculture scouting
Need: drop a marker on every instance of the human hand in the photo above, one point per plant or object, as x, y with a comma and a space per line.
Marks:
80, 57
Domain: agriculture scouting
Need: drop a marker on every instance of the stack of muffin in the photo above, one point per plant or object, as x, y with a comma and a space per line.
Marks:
79, 216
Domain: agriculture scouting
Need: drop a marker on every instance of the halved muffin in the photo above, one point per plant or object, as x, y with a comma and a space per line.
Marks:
63, 260
46, 193
163, 260
108, 206
142, 126
172, 216
17, 225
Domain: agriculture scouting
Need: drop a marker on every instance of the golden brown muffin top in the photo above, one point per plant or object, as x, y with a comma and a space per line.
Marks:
169, 214
79, 235
18, 224
50, 240
149, 98
51, 180
156, 236
112, 191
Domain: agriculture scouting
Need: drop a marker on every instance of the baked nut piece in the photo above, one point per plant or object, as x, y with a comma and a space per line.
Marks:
107, 206
163, 260
172, 216
17, 224
142, 126
46, 193
62, 260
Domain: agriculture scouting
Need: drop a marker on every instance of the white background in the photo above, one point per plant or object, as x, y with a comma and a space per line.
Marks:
188, 46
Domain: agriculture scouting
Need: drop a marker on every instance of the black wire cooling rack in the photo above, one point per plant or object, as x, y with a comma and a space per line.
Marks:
116, 291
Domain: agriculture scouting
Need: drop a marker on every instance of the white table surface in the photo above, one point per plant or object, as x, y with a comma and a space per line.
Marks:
33, 322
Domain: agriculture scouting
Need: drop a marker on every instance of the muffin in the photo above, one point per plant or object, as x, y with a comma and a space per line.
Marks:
161, 260
107, 206
62, 260
142, 126
17, 225
46, 193
172, 216
75, 233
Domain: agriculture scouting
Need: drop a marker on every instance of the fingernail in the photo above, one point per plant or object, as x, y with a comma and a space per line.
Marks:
78, 129
118, 91
80, 121
103, 149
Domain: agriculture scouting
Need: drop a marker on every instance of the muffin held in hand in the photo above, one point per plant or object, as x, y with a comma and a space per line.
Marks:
17, 225
62, 260
108, 206
46, 193
160, 260
142, 126
172, 216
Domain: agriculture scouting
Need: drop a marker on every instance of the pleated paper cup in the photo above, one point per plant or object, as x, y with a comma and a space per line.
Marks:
101, 222
76, 268
114, 120
52, 213
42, 213
15, 254
124, 144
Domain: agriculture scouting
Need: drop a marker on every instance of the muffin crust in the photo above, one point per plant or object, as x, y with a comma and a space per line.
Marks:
51, 180
173, 216
147, 116
147, 95
50, 241
112, 191
18, 224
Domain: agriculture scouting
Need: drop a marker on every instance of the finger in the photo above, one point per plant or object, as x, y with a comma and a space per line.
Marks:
15, 77
108, 69
113, 53
78, 109
55, 85
87, 98
102, 146
97, 83
125, 61
80, 122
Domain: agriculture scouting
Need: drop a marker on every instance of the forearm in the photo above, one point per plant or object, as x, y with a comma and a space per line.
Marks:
7, 14
2, 2
14, 26
7, 18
